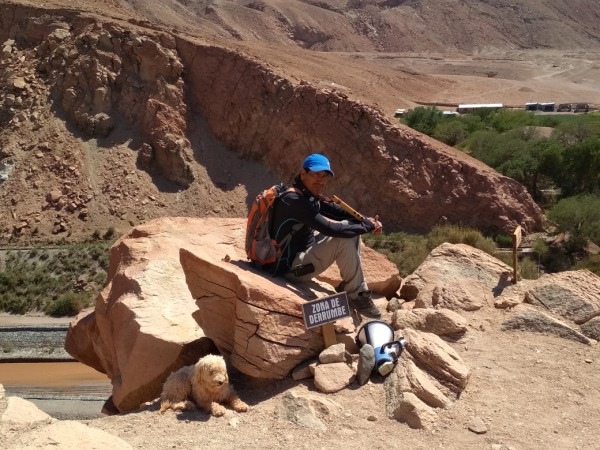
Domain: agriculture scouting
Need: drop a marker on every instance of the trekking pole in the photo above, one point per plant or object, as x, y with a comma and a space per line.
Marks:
348, 208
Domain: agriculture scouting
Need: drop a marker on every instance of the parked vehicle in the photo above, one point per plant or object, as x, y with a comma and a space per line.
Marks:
562, 107
582, 107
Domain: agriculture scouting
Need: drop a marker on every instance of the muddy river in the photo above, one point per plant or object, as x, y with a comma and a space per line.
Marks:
65, 390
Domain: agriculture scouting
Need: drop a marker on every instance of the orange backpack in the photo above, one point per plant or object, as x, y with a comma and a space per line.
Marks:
261, 248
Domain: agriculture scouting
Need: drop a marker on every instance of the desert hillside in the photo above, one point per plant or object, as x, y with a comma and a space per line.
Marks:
114, 113
380, 25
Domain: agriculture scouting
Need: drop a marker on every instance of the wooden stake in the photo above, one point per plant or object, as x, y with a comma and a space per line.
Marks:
516, 241
329, 337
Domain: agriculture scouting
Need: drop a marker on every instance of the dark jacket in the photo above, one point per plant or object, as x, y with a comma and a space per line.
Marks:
293, 208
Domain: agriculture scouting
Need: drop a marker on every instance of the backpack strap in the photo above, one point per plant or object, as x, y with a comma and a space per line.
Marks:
282, 245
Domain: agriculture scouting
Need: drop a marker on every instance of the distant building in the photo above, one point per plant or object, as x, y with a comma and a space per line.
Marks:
546, 107
469, 108
537, 106
531, 106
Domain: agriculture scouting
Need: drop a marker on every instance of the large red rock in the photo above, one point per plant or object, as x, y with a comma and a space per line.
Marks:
142, 326
176, 288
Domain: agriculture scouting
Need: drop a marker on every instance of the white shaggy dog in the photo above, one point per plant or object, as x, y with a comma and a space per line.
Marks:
204, 384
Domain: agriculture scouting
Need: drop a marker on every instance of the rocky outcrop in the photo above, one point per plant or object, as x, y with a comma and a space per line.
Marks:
471, 276
461, 278
430, 376
23, 425
442, 322
529, 319
176, 288
573, 295
104, 73
420, 182
101, 73
141, 328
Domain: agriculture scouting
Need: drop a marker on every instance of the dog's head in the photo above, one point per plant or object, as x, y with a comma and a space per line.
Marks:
211, 371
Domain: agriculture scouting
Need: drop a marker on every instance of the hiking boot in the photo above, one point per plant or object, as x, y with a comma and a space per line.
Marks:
364, 305
340, 287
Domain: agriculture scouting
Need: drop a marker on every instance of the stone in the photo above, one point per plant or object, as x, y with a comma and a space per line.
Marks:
19, 83
171, 296
573, 295
67, 434
461, 295
591, 328
144, 313
366, 364
425, 387
477, 425
448, 263
442, 322
414, 412
53, 196
333, 377
303, 371
306, 410
22, 412
438, 358
332, 354
529, 319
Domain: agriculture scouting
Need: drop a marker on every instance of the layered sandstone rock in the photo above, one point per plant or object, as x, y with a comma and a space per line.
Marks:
457, 268
174, 283
464, 279
429, 376
141, 328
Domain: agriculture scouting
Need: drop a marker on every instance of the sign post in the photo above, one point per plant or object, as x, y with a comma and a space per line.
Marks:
323, 312
516, 241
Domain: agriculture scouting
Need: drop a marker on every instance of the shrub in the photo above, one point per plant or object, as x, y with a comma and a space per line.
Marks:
591, 263
405, 250
528, 269
540, 247
503, 241
424, 119
68, 304
408, 251
455, 234
109, 234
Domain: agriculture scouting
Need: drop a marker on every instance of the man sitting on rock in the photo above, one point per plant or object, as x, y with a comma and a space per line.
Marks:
337, 237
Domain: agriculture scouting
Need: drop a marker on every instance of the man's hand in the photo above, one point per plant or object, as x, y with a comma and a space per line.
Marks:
377, 223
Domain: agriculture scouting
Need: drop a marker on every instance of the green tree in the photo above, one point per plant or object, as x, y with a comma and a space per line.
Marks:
423, 119
572, 133
580, 217
508, 119
581, 168
450, 131
472, 123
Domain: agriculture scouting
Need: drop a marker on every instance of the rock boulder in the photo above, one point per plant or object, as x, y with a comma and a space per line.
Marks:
178, 287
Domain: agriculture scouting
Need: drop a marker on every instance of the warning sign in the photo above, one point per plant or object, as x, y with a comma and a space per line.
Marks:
325, 310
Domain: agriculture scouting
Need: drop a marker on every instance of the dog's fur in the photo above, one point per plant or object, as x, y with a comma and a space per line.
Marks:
204, 384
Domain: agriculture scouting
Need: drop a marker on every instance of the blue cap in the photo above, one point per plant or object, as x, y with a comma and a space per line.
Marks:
317, 162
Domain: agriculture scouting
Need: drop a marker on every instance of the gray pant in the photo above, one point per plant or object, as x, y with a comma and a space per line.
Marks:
327, 250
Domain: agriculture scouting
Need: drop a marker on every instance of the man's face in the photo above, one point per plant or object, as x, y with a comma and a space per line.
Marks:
315, 182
